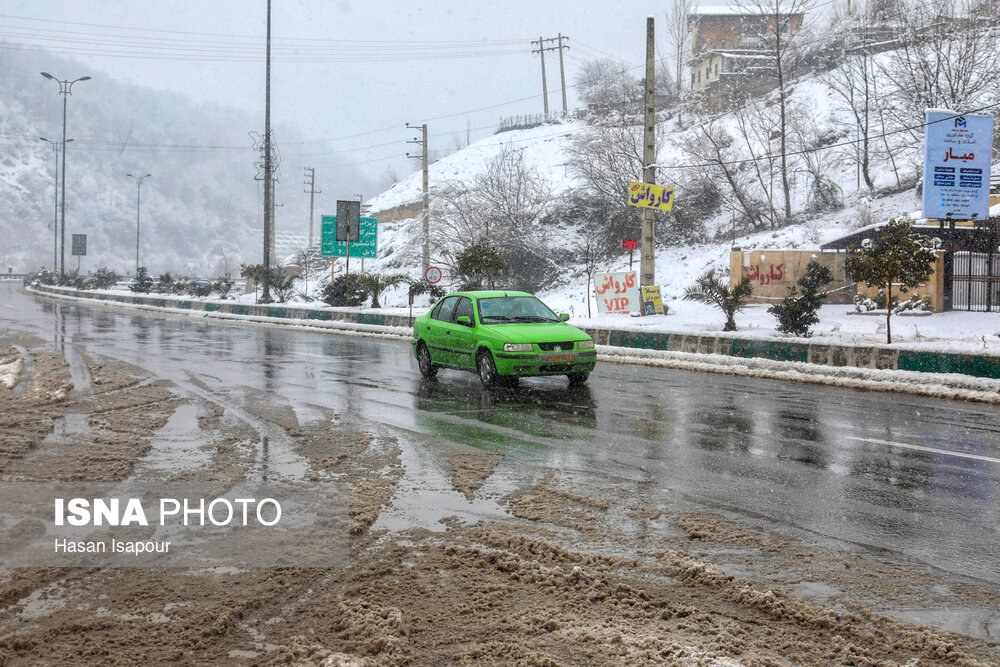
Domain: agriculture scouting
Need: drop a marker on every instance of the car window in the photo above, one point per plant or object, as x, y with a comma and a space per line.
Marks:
507, 309
437, 309
446, 309
464, 308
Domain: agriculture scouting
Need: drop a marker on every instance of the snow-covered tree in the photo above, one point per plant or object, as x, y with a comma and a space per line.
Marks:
898, 257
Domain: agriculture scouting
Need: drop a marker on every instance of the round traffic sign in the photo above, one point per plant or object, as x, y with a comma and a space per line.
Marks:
433, 274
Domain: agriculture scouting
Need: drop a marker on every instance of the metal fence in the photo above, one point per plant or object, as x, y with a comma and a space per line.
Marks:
975, 281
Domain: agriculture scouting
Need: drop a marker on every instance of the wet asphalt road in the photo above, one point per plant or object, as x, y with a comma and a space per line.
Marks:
917, 479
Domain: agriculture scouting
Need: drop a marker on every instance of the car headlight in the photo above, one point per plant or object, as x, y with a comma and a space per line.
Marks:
517, 347
585, 345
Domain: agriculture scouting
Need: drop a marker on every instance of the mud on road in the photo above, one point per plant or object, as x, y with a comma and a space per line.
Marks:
551, 577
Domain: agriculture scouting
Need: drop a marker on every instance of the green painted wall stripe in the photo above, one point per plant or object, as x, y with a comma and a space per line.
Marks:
966, 364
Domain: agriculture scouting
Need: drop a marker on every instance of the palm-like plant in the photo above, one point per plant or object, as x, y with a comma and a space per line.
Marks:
376, 283
715, 292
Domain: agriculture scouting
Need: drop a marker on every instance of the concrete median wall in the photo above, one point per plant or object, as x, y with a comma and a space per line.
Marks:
859, 356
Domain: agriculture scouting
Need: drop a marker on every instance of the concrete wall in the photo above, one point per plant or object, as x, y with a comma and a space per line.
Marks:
774, 272
934, 288
401, 212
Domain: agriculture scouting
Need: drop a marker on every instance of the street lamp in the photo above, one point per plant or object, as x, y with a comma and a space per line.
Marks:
138, 198
65, 89
55, 223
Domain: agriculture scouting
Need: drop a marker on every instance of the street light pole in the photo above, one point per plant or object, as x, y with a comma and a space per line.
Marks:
65, 89
55, 220
138, 200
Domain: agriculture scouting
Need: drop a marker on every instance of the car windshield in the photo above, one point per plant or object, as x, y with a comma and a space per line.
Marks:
507, 309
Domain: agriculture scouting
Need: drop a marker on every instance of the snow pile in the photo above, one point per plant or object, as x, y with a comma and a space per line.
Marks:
10, 371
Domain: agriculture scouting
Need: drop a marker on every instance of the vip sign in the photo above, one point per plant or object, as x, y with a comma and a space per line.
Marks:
617, 292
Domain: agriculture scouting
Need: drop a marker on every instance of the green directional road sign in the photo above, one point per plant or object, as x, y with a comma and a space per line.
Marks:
366, 245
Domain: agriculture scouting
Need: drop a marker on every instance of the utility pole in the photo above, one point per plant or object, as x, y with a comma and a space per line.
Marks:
425, 259
311, 175
138, 202
268, 210
545, 88
562, 70
647, 266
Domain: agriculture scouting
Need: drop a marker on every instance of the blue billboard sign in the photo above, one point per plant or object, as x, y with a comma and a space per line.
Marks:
957, 152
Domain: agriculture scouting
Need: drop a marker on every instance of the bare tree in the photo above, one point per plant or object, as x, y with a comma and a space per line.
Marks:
607, 82
777, 38
678, 16
713, 145
947, 58
390, 176
756, 125
503, 208
854, 82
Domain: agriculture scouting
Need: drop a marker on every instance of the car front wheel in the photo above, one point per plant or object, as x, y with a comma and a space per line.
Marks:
427, 369
487, 369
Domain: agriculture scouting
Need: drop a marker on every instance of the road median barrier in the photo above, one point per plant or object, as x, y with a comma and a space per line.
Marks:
875, 357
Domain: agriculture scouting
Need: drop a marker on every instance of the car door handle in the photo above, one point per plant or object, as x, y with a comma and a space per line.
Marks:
448, 332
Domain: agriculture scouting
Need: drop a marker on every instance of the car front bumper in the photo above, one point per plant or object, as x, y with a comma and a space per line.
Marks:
513, 363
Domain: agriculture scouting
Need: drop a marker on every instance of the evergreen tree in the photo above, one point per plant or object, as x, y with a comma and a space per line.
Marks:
797, 313
142, 282
480, 262
898, 257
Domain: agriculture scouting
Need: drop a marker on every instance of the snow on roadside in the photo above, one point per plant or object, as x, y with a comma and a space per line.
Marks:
10, 371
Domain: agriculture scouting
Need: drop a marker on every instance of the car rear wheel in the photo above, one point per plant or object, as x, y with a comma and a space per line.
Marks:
577, 378
427, 369
487, 369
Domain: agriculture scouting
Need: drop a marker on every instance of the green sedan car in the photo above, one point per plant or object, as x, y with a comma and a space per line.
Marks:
501, 336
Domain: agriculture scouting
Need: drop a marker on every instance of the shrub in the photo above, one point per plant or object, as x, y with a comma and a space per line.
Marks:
345, 291
796, 314
104, 278
165, 283
142, 282
223, 285
713, 291
915, 303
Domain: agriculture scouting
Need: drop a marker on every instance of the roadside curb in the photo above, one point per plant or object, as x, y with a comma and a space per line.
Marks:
804, 354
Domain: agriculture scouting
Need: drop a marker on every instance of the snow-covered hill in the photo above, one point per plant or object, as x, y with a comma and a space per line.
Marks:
546, 150
201, 208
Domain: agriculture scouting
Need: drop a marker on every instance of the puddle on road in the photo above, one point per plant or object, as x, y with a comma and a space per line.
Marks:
974, 622
178, 446
79, 374
425, 495
70, 424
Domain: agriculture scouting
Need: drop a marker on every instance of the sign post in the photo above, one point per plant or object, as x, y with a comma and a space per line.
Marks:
957, 152
630, 245
79, 248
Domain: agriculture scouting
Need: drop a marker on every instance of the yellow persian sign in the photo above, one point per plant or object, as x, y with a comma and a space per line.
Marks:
652, 302
648, 195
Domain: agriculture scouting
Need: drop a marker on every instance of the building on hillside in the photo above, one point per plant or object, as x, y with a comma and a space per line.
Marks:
727, 45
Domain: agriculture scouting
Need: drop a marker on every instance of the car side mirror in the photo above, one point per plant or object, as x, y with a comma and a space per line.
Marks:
464, 320
564, 317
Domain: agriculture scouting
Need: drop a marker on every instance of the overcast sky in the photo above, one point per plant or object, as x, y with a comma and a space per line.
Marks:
349, 74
